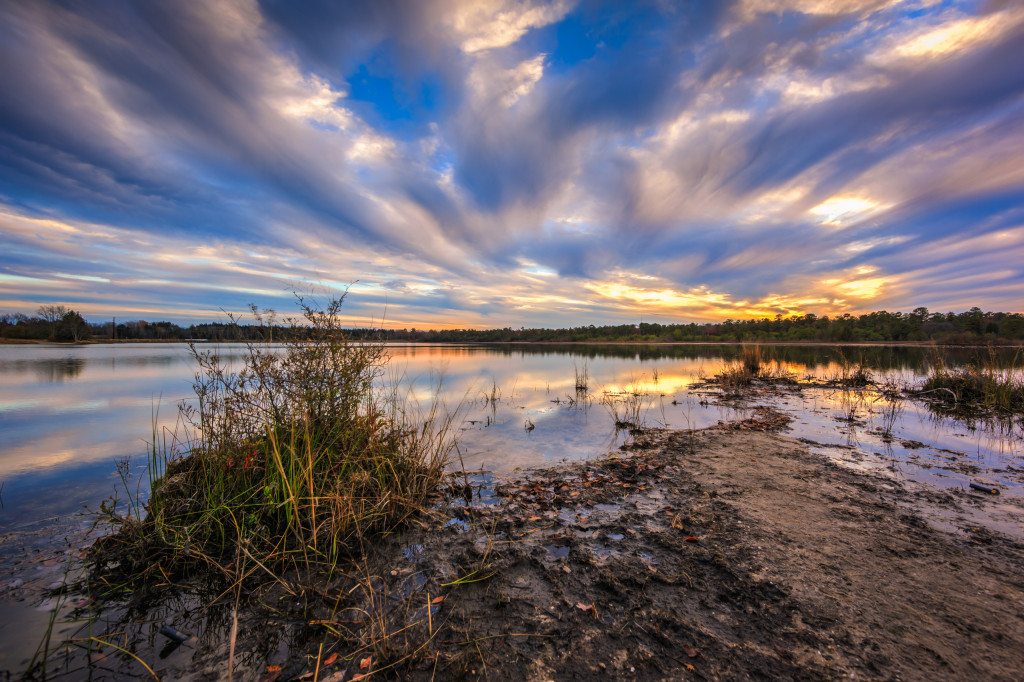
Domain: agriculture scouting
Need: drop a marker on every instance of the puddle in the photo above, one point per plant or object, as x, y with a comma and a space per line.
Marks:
414, 583
557, 551
917, 447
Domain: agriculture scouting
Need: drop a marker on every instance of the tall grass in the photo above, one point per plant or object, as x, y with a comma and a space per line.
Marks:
626, 409
849, 374
581, 378
751, 365
295, 457
986, 384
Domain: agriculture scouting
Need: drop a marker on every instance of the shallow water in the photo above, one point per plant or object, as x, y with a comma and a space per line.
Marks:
68, 414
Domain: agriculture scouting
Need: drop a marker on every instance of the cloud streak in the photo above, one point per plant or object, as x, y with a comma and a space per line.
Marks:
489, 163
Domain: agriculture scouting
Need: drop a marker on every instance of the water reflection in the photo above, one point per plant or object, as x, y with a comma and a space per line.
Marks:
520, 405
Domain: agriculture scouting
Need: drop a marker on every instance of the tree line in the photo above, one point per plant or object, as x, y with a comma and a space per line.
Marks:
60, 323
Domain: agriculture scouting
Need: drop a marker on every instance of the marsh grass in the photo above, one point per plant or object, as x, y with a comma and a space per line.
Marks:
986, 385
581, 378
626, 409
892, 396
291, 460
750, 367
849, 374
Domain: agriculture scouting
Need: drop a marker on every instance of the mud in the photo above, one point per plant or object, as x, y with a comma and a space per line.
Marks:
730, 553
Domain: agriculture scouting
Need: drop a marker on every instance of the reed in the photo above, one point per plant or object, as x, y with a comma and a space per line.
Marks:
582, 378
984, 385
293, 458
752, 366
626, 409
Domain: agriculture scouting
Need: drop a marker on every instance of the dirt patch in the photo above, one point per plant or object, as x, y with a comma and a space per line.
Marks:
719, 554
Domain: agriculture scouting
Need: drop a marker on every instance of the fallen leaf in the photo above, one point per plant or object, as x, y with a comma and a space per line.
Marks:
575, 493
365, 663
535, 518
437, 600
566, 569
336, 677
690, 651
273, 668
330, 659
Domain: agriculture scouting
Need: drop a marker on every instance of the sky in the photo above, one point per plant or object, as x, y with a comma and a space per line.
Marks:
486, 163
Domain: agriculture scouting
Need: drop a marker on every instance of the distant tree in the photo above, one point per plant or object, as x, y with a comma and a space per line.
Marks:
73, 328
52, 315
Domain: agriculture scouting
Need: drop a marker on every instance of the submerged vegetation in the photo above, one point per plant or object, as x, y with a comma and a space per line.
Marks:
750, 366
290, 460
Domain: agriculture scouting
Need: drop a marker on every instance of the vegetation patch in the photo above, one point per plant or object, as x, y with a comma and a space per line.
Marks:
289, 461
984, 386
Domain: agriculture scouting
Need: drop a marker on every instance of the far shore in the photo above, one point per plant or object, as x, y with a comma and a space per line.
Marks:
864, 344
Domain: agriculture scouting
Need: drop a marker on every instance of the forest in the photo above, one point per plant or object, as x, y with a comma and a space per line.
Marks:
974, 326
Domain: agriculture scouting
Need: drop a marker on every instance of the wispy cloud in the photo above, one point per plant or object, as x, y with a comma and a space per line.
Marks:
488, 163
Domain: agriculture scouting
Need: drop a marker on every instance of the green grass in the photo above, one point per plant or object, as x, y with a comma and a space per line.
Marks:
292, 459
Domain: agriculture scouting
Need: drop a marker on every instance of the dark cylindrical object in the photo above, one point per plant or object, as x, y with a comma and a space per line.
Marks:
170, 633
985, 488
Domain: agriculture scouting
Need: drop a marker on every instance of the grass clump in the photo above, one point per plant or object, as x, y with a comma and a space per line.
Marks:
291, 459
984, 385
581, 378
849, 374
751, 366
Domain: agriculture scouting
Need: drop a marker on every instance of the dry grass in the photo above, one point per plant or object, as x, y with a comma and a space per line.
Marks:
986, 385
291, 460
751, 366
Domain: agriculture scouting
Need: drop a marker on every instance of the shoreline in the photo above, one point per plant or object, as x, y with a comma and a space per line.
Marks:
723, 553
843, 344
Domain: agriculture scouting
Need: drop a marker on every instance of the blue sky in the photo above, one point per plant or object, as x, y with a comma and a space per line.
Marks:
486, 163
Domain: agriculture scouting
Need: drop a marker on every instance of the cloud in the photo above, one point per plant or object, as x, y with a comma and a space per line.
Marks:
489, 24
484, 162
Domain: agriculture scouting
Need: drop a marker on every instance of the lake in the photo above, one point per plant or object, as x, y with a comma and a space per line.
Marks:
69, 414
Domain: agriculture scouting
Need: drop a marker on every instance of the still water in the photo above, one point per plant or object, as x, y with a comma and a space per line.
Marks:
69, 414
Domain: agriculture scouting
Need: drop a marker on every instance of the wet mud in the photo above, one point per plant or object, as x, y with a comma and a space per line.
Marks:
728, 553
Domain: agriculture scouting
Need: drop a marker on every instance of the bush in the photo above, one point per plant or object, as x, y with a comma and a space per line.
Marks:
297, 454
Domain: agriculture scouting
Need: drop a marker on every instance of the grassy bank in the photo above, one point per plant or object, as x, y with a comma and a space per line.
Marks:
289, 461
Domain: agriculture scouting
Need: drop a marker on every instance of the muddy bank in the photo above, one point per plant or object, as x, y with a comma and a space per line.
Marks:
736, 554
730, 553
